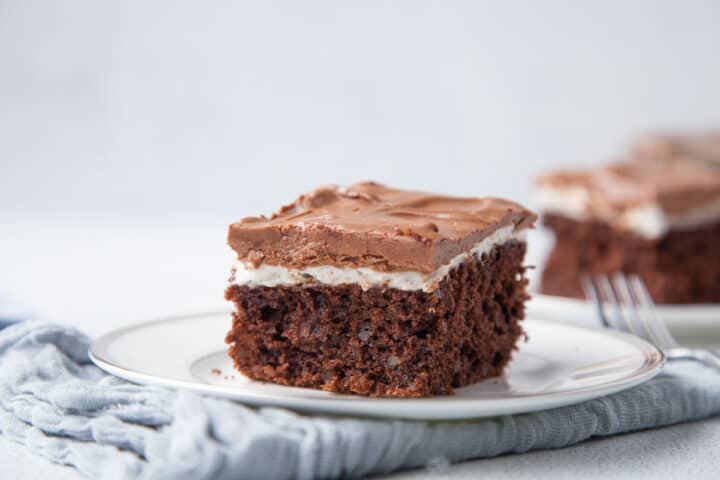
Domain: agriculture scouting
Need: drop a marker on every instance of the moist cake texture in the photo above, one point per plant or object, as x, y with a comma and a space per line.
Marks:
656, 214
377, 291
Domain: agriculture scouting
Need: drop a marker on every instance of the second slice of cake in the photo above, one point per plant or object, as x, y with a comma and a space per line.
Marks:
655, 214
378, 291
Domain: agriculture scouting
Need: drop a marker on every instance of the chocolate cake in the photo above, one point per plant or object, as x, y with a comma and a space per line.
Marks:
655, 213
376, 291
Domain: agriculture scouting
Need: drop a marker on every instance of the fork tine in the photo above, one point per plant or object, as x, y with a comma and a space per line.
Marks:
592, 294
657, 336
607, 294
657, 329
631, 314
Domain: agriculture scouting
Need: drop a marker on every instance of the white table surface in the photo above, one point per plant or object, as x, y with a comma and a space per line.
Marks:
105, 272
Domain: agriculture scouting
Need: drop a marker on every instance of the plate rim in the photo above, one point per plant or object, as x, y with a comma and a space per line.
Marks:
692, 322
581, 303
448, 408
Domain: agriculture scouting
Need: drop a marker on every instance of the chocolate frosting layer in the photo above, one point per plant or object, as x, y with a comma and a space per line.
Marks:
676, 184
370, 225
699, 147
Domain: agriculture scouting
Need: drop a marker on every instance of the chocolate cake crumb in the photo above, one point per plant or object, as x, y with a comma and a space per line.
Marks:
384, 341
680, 267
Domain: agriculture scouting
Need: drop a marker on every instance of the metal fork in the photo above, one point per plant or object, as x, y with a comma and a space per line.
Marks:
623, 303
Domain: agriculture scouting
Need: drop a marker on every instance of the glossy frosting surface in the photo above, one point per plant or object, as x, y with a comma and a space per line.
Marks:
374, 226
667, 182
674, 184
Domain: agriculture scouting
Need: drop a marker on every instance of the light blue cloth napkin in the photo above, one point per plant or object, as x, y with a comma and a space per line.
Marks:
58, 404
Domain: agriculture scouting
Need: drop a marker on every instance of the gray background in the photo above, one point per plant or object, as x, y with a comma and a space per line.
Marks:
231, 108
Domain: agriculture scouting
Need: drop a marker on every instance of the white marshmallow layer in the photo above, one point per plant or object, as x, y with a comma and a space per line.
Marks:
271, 275
647, 219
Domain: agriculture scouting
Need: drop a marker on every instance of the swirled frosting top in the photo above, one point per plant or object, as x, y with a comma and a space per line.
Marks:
703, 147
666, 182
374, 226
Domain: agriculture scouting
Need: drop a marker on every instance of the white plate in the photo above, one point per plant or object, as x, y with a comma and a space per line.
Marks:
559, 365
693, 324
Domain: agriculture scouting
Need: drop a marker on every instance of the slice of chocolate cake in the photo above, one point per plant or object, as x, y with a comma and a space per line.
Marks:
655, 214
378, 291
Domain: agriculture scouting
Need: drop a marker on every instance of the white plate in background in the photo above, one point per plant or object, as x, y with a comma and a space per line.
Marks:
553, 368
695, 324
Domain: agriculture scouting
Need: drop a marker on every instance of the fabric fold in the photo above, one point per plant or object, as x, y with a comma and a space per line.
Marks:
58, 404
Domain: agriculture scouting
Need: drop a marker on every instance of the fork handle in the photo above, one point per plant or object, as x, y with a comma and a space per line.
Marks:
705, 357
709, 357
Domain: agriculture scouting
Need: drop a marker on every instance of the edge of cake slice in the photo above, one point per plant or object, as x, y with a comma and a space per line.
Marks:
377, 291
